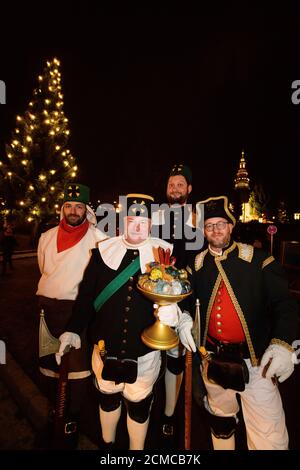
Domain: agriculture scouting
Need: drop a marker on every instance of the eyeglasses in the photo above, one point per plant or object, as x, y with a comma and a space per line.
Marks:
219, 225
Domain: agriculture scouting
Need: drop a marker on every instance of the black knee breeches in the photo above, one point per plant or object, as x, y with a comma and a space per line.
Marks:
139, 411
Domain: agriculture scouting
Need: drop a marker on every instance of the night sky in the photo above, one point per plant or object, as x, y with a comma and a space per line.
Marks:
144, 89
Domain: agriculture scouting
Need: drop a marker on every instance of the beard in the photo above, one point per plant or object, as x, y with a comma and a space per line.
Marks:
220, 242
75, 220
177, 199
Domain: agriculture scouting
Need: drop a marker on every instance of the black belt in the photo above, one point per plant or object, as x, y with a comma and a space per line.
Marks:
216, 346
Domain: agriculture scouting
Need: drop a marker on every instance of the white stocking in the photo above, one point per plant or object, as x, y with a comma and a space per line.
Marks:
223, 444
109, 421
172, 384
137, 433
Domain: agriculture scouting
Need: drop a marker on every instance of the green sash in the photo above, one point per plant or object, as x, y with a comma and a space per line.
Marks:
116, 283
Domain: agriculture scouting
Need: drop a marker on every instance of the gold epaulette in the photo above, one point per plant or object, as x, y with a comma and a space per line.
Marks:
245, 252
267, 261
282, 343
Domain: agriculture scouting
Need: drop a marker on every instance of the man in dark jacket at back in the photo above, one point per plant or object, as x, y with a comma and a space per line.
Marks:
176, 224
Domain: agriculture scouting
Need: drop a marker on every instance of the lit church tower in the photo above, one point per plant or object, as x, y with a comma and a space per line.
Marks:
242, 191
241, 181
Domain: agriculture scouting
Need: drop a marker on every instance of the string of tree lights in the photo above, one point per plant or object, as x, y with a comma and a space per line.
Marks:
38, 162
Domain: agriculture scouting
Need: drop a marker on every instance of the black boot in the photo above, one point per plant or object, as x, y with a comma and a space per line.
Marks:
168, 433
168, 426
71, 433
65, 435
107, 446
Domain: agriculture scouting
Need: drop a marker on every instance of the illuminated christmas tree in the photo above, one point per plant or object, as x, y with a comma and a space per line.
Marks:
38, 162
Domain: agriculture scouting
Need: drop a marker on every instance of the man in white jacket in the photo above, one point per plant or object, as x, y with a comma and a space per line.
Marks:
63, 254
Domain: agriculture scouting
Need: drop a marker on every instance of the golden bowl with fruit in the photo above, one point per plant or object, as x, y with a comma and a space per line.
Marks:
163, 284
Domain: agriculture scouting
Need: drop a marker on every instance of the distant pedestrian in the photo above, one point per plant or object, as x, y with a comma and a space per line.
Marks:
8, 243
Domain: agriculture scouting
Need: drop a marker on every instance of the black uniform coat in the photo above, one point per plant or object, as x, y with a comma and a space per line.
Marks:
258, 289
121, 319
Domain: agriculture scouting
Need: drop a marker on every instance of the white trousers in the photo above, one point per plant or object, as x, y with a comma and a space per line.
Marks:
262, 409
148, 370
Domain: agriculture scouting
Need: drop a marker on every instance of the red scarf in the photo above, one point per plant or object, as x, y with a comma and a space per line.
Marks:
68, 236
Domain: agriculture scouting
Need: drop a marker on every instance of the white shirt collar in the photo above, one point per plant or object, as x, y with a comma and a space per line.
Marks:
214, 252
113, 250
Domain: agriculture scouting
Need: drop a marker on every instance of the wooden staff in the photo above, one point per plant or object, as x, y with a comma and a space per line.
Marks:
188, 400
188, 380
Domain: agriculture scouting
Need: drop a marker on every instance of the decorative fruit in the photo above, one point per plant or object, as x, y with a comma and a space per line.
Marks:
155, 274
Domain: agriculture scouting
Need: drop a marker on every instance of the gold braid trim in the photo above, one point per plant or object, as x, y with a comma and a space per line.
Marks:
210, 305
245, 252
267, 261
189, 270
225, 253
282, 343
199, 259
237, 306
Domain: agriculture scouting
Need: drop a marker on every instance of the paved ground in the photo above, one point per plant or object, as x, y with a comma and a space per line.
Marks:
15, 430
19, 329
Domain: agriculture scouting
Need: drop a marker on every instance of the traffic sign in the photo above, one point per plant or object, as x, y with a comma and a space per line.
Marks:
272, 229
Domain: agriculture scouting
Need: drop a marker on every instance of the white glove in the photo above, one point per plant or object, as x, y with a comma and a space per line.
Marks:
184, 330
67, 339
168, 314
281, 362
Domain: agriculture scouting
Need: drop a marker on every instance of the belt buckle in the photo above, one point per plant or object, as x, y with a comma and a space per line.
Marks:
168, 430
70, 427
